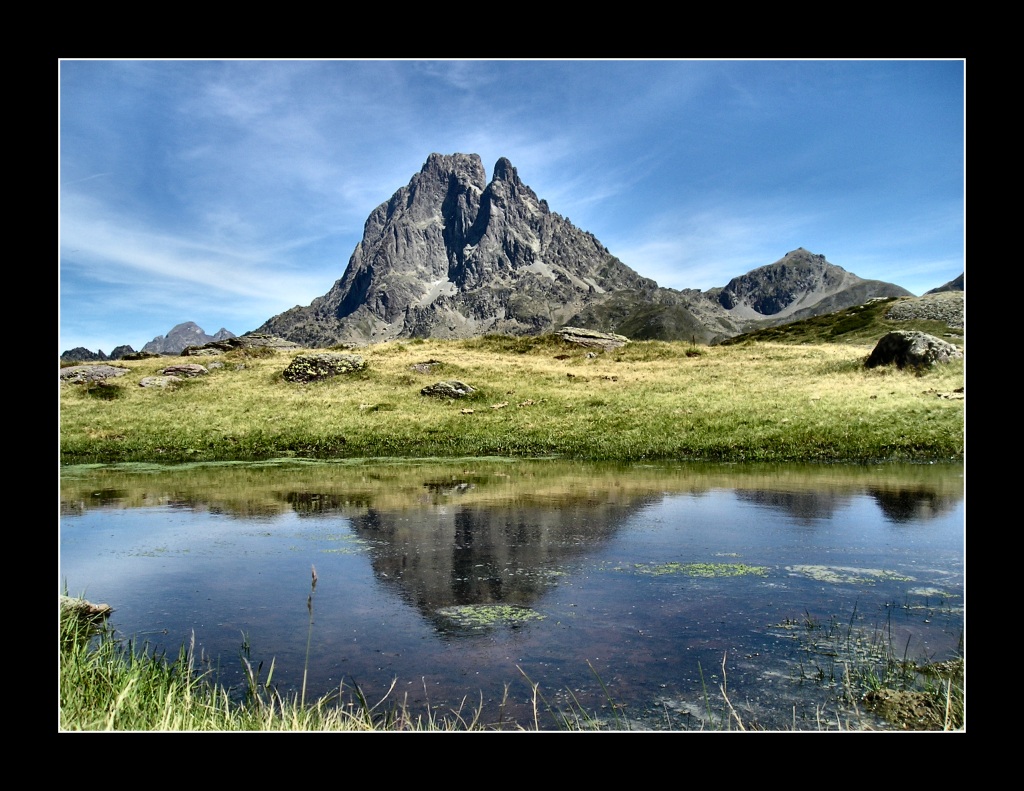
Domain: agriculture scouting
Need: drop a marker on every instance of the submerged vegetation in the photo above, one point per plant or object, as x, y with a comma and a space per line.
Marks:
703, 569
110, 684
534, 397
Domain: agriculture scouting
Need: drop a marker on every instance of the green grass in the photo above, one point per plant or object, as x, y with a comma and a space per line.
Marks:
755, 401
858, 324
110, 685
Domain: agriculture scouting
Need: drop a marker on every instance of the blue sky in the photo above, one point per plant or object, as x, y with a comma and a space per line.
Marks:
225, 192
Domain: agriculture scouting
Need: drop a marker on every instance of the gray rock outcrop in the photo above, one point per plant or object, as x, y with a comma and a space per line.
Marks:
186, 371
80, 374
251, 340
592, 338
316, 367
451, 389
911, 349
944, 306
159, 381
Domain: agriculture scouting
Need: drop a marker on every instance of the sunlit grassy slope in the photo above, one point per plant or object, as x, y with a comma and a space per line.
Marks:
754, 400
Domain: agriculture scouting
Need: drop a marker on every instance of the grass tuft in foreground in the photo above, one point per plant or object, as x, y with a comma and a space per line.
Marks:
110, 685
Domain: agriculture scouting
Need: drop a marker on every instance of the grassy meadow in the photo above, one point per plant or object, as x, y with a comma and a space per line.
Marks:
799, 394
535, 397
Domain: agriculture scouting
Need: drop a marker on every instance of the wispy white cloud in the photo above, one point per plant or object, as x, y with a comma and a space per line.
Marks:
118, 250
705, 248
245, 184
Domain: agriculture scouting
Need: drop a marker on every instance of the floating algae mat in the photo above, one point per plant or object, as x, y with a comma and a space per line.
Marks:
483, 616
702, 569
846, 574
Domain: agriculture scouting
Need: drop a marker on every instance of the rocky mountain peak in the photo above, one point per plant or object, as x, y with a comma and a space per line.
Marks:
187, 333
798, 281
504, 171
451, 255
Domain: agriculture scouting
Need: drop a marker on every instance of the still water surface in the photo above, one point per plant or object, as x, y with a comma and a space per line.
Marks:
464, 583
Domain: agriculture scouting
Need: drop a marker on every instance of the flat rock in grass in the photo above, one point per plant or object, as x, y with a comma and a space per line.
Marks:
187, 371
450, 389
80, 374
425, 367
315, 367
592, 338
251, 340
159, 381
911, 349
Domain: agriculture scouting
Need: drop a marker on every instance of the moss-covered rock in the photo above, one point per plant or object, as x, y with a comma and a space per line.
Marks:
315, 367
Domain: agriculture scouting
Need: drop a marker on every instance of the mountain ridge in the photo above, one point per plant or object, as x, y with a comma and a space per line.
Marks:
451, 255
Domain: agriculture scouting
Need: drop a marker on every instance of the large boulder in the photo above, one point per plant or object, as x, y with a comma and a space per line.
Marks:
251, 340
314, 367
592, 338
911, 349
187, 371
159, 381
80, 374
450, 389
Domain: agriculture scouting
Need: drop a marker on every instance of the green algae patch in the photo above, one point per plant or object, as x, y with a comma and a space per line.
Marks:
847, 574
703, 569
486, 616
346, 544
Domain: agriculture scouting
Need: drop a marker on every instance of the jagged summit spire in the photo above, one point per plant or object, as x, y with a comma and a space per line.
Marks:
453, 255
453, 162
504, 171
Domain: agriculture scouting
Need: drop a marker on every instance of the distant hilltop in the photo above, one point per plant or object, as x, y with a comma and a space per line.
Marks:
173, 343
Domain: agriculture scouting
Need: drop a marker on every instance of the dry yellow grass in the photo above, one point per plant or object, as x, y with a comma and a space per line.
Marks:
647, 400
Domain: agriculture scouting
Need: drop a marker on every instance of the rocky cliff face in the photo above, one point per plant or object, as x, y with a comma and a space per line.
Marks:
451, 255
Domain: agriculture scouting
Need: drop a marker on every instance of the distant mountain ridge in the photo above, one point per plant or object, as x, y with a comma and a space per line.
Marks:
451, 255
956, 284
181, 335
173, 343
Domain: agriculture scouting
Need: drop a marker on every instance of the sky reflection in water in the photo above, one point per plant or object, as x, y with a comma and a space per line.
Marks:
601, 558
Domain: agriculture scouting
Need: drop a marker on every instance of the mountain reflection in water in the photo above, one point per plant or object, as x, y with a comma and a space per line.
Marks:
649, 576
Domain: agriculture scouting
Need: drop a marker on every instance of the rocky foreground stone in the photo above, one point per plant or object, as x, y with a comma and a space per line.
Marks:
911, 349
316, 367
